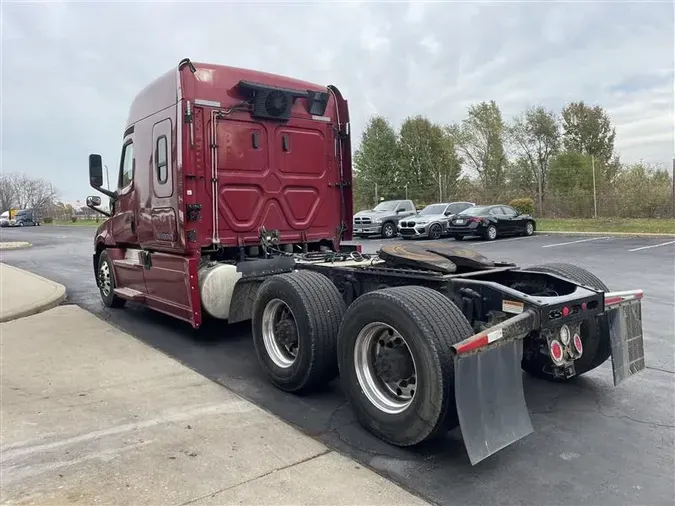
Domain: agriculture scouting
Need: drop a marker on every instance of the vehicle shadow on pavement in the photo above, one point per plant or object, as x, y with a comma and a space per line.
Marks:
225, 354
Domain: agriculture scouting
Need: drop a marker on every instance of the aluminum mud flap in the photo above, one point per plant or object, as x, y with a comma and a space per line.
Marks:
489, 387
622, 320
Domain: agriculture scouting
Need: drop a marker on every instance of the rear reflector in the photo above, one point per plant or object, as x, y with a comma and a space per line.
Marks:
479, 340
616, 297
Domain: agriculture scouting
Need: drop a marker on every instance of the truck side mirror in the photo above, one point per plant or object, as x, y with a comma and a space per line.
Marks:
96, 176
93, 201
95, 171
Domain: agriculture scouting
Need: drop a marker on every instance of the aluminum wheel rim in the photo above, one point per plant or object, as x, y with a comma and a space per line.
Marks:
435, 231
282, 355
388, 230
492, 232
529, 228
104, 278
392, 397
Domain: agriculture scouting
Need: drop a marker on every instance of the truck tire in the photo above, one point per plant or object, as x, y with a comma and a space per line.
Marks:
106, 282
596, 349
298, 351
414, 322
388, 230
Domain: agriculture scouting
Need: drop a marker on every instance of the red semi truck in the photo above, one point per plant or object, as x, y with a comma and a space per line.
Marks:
234, 201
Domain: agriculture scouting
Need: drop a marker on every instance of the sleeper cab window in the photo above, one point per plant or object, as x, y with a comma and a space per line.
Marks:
161, 157
127, 166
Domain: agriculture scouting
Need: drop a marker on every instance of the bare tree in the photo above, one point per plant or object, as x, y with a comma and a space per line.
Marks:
7, 191
22, 191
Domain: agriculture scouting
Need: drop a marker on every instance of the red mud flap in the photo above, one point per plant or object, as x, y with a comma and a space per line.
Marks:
623, 320
489, 387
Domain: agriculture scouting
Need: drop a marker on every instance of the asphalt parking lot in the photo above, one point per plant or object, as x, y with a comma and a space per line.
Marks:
593, 443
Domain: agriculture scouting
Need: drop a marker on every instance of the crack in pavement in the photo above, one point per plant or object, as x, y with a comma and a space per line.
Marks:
659, 369
600, 412
212, 494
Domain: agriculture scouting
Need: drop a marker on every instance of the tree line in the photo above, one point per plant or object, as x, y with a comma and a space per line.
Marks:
558, 160
21, 191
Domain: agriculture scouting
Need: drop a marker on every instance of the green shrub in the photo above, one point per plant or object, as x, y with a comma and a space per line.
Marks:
47, 220
525, 206
73, 219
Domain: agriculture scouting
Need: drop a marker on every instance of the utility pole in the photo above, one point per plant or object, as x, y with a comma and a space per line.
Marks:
440, 188
673, 184
406, 188
377, 200
595, 200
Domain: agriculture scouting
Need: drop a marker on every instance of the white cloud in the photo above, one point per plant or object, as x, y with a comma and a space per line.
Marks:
70, 70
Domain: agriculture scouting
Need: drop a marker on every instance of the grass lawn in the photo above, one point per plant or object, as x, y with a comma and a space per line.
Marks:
78, 223
628, 225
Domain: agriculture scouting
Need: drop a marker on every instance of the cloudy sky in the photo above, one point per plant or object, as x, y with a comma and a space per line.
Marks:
71, 69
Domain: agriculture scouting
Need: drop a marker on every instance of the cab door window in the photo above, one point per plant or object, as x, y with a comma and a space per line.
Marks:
127, 166
162, 180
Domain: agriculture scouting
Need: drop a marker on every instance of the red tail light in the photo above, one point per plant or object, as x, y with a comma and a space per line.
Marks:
577, 344
474, 219
556, 351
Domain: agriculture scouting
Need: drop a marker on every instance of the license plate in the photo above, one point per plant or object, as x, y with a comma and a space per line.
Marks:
458, 222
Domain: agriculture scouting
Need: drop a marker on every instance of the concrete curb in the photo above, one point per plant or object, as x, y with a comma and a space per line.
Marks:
617, 234
52, 298
14, 245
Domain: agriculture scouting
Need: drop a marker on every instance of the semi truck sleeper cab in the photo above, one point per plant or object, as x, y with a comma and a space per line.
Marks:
234, 201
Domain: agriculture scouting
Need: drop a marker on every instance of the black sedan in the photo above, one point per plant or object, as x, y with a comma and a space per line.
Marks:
490, 222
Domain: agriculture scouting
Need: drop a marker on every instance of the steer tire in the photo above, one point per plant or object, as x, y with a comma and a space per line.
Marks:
596, 349
430, 324
105, 265
317, 310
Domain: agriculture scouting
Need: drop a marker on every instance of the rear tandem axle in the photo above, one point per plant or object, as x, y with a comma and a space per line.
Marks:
420, 352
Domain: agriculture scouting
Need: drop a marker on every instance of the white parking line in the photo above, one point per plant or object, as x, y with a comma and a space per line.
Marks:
574, 242
501, 241
653, 246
